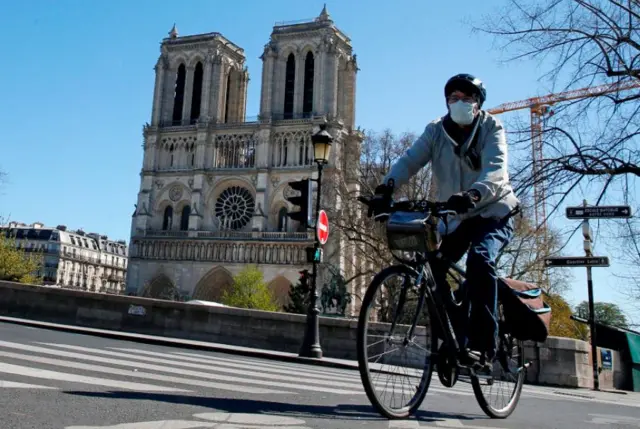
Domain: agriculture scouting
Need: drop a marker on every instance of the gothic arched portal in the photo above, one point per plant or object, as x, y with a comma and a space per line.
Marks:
161, 287
280, 287
212, 285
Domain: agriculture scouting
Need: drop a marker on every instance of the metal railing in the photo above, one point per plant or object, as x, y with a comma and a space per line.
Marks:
229, 235
168, 123
294, 22
248, 120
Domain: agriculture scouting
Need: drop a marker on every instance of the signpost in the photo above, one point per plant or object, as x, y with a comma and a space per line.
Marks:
589, 261
577, 261
598, 212
323, 227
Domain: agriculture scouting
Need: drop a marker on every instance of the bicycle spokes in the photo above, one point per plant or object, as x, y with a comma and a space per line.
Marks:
498, 389
397, 341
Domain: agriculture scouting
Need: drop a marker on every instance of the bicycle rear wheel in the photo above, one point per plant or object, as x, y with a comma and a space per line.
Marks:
509, 364
376, 324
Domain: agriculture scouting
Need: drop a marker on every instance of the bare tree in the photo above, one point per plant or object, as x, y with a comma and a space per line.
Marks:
522, 257
590, 144
361, 235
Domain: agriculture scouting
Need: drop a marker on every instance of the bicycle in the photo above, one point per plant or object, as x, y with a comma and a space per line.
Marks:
412, 226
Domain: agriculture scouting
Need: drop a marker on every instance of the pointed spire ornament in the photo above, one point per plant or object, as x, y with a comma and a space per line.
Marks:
324, 15
174, 31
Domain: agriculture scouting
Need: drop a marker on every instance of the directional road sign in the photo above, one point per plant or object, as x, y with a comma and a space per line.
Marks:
578, 261
596, 212
323, 227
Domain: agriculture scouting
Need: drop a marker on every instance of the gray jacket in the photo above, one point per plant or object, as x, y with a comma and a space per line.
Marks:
452, 174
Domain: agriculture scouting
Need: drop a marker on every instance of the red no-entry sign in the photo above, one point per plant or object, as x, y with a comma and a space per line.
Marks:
323, 227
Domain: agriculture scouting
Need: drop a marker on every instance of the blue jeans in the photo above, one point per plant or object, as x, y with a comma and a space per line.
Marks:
484, 239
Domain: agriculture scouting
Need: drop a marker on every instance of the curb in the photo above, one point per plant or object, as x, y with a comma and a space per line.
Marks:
183, 343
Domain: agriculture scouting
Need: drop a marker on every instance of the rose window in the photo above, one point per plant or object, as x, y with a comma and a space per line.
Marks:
234, 208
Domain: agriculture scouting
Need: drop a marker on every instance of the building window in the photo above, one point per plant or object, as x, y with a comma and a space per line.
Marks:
196, 97
234, 208
168, 218
307, 103
283, 220
289, 86
184, 218
178, 95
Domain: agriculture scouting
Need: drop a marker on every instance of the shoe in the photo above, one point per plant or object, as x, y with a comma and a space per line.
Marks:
469, 358
473, 359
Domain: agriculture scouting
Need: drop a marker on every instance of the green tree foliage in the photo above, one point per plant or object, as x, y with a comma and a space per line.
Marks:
605, 313
561, 323
250, 291
298, 299
16, 265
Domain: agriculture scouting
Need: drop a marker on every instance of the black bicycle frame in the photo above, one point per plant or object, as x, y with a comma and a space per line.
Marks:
422, 267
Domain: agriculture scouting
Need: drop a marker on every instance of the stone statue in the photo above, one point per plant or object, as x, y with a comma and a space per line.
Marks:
334, 296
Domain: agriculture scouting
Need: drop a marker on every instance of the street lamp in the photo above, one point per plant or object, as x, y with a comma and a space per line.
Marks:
321, 146
311, 344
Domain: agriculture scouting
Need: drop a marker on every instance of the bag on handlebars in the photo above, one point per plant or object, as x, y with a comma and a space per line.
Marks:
526, 314
412, 232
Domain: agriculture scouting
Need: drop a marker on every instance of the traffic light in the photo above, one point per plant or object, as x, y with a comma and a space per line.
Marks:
304, 279
303, 201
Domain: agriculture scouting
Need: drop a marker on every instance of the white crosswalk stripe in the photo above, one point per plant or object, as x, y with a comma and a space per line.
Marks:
75, 378
5, 384
222, 374
173, 370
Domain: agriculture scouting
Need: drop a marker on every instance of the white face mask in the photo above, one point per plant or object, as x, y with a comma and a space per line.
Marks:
461, 112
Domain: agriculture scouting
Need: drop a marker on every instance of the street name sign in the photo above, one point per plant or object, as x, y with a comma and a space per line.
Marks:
578, 261
598, 212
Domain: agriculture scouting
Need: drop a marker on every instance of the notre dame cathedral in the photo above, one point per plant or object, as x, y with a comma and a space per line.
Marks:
213, 182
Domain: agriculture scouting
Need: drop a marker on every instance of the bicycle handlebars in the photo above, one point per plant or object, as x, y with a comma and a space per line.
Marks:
439, 209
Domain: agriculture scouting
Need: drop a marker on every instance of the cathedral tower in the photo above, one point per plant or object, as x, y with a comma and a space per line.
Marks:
212, 197
309, 70
199, 77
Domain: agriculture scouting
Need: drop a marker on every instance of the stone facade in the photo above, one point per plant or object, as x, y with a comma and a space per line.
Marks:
73, 259
213, 182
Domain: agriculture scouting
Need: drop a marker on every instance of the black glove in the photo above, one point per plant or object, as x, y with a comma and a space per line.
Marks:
381, 201
463, 201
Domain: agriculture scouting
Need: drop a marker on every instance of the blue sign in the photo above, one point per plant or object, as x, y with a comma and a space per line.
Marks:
607, 358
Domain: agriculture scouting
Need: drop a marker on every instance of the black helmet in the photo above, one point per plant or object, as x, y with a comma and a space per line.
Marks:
468, 84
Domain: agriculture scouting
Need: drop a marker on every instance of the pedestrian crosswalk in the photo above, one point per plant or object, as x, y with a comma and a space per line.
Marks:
126, 366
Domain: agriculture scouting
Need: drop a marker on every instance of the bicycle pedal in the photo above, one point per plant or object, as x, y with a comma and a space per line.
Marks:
487, 377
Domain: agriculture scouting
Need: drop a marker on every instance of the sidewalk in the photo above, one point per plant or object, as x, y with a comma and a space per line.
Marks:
189, 344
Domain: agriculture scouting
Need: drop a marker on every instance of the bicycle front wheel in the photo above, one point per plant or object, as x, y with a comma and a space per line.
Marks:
385, 337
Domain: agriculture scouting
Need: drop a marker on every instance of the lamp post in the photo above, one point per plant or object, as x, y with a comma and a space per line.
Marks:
311, 344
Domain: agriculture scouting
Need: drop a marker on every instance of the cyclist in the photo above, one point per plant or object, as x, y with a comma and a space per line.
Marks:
467, 150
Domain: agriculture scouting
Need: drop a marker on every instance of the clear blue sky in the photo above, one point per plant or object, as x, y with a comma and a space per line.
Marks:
78, 84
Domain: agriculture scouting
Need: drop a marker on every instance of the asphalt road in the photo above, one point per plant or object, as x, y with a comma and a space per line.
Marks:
57, 380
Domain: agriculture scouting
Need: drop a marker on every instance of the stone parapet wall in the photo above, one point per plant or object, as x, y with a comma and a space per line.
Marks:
558, 361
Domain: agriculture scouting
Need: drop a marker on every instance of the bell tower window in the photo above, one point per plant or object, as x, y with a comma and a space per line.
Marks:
290, 80
307, 103
196, 97
178, 96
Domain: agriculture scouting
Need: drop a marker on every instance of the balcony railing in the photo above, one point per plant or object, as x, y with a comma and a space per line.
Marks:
247, 120
191, 122
229, 235
229, 251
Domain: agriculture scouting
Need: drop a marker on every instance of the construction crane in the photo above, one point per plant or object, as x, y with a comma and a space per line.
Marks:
538, 108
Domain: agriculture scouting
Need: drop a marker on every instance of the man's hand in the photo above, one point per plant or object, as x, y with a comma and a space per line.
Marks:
380, 201
464, 201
